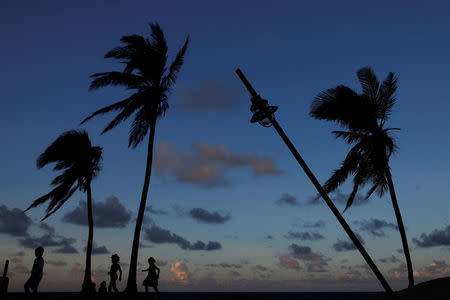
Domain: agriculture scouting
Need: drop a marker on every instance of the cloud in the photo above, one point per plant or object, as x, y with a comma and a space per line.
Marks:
203, 216
56, 263
260, 268
180, 271
206, 165
110, 213
304, 236
287, 199
224, 265
159, 235
437, 267
66, 249
347, 245
340, 198
151, 210
315, 262
49, 239
375, 226
98, 249
210, 95
14, 222
317, 224
268, 237
392, 259
438, 237
287, 262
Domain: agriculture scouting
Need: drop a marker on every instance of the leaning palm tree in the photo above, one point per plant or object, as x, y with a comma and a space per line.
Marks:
146, 73
72, 152
364, 115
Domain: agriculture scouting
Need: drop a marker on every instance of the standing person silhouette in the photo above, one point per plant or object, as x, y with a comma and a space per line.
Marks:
152, 276
113, 273
36, 272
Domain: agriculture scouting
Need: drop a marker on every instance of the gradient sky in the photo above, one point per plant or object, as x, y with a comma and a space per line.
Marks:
217, 177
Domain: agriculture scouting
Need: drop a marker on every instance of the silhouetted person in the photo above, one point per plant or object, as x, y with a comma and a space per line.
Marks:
102, 289
113, 273
36, 272
152, 276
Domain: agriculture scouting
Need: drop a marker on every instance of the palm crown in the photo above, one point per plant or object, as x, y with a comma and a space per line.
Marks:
72, 152
145, 72
364, 115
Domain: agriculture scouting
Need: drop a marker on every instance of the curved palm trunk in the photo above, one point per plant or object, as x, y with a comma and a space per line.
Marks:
401, 229
87, 282
333, 208
131, 282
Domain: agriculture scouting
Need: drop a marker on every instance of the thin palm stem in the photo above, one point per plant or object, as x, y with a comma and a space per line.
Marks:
87, 283
131, 283
401, 229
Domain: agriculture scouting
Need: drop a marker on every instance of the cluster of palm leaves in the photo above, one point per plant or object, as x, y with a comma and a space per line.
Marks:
146, 73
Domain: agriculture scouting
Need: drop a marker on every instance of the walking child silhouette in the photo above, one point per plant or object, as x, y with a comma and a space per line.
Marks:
152, 276
36, 272
113, 273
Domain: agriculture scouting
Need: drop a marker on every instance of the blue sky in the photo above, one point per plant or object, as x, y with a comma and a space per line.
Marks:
290, 51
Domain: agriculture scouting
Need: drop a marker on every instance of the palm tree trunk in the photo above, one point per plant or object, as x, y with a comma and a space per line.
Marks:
131, 283
401, 229
333, 208
87, 283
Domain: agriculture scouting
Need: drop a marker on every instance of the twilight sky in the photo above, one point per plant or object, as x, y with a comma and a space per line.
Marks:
229, 209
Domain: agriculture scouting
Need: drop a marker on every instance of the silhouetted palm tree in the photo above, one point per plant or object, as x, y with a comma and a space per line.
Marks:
364, 115
72, 152
146, 73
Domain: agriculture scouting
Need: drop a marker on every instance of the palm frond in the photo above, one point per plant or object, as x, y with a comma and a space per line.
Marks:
58, 202
176, 65
352, 196
348, 166
160, 46
124, 114
349, 136
127, 80
369, 82
387, 98
63, 148
345, 107
140, 127
116, 106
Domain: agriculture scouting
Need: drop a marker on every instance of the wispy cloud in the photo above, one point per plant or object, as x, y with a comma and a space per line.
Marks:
287, 199
14, 222
210, 96
438, 237
203, 216
159, 235
347, 245
109, 214
304, 236
375, 227
206, 165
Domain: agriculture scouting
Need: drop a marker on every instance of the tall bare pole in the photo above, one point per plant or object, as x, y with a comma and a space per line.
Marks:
263, 114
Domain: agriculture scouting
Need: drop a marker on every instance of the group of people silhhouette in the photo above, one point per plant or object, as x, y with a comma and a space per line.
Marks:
150, 281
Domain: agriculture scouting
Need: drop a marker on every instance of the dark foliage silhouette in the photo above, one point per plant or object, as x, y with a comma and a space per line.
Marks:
72, 152
364, 115
146, 73
263, 114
